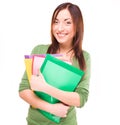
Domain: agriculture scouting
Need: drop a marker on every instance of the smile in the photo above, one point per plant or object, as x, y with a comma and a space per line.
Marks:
61, 34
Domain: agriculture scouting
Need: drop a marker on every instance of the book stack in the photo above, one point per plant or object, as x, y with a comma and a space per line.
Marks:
67, 77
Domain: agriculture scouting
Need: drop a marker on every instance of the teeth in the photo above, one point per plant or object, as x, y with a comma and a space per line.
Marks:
61, 34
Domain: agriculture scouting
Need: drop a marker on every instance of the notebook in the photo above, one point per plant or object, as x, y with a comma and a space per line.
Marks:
37, 62
28, 65
33, 62
61, 75
39, 59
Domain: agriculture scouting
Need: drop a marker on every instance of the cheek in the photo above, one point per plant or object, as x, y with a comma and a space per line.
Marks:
71, 31
53, 29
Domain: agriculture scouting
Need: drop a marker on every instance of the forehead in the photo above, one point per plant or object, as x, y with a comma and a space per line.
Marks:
63, 14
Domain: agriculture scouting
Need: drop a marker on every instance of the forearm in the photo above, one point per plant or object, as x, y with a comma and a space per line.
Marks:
58, 109
29, 96
69, 98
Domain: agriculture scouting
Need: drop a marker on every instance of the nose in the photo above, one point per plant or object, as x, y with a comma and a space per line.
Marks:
60, 27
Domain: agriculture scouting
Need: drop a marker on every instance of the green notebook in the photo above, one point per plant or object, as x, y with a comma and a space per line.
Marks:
60, 75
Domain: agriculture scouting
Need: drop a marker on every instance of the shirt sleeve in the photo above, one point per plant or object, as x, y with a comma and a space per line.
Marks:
24, 84
83, 87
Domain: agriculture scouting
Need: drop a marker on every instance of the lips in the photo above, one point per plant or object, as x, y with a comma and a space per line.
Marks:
61, 34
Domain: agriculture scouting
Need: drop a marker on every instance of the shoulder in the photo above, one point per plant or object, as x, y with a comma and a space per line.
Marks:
87, 58
86, 55
40, 49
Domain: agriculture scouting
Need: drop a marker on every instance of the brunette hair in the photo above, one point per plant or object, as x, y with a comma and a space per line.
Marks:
79, 30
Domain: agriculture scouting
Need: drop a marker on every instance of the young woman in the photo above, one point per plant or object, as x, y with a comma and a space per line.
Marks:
67, 30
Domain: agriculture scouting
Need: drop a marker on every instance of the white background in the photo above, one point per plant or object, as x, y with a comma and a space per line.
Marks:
26, 23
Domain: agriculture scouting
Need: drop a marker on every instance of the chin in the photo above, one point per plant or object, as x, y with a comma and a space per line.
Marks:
61, 42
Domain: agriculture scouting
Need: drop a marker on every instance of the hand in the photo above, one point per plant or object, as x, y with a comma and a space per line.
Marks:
37, 82
60, 109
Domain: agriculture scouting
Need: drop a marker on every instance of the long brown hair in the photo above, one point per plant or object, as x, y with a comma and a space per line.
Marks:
79, 30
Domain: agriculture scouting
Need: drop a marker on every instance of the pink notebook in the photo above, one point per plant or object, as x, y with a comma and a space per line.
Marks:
38, 61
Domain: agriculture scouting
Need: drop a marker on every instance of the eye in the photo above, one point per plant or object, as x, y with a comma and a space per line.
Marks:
55, 21
68, 22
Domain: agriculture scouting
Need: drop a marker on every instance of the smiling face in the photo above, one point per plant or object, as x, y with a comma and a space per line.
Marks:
63, 28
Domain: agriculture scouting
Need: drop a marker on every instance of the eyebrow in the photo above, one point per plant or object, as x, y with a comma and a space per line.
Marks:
68, 19
65, 19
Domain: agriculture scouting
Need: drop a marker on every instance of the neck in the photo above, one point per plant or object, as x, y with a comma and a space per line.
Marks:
67, 53
65, 49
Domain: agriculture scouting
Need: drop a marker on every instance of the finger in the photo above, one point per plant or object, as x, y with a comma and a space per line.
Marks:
39, 73
65, 116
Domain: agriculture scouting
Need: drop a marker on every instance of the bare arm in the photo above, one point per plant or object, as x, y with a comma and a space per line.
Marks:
29, 96
69, 98
57, 109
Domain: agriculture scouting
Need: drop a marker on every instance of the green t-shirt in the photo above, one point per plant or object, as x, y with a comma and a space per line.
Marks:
35, 117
